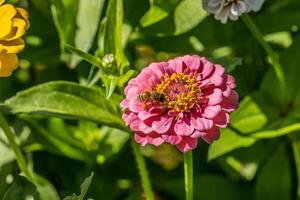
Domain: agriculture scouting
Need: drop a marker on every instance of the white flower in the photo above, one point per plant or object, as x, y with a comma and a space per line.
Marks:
232, 9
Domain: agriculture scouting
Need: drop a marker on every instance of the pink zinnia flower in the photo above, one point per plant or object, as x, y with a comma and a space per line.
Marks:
179, 101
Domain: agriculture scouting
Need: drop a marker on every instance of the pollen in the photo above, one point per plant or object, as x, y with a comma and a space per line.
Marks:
182, 92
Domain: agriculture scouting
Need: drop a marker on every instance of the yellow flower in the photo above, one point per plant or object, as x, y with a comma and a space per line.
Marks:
13, 25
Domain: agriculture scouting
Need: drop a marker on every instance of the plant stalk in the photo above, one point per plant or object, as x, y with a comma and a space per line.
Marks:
294, 139
143, 171
15, 147
188, 175
270, 52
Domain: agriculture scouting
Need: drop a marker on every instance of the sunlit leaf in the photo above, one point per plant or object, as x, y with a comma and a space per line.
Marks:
68, 100
83, 189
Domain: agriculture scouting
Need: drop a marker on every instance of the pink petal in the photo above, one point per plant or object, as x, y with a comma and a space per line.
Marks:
211, 112
201, 123
131, 83
208, 69
212, 134
141, 139
226, 90
230, 103
144, 114
162, 125
148, 80
217, 77
176, 64
124, 104
133, 93
155, 140
158, 68
192, 62
187, 144
198, 134
172, 139
135, 124
222, 119
144, 128
135, 105
183, 127
216, 97
129, 117
230, 81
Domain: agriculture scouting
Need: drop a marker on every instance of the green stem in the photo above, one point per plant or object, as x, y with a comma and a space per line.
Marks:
11, 139
143, 171
188, 175
272, 55
294, 138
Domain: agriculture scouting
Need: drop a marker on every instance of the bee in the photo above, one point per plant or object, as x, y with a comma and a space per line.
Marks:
153, 96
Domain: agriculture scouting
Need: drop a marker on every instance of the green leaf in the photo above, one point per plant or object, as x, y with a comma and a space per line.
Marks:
83, 188
6, 176
6, 153
246, 115
64, 13
85, 56
270, 84
113, 140
282, 130
57, 139
45, 189
229, 141
111, 82
172, 17
249, 124
159, 10
68, 100
41, 189
275, 179
77, 23
228, 63
188, 14
295, 141
21, 189
88, 17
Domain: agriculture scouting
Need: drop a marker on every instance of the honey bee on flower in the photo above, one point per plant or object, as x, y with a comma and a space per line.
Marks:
179, 101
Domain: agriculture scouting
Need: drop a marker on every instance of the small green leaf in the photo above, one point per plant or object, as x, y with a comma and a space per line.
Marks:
85, 56
229, 141
172, 17
83, 189
159, 10
89, 13
188, 14
58, 139
21, 189
275, 179
246, 115
228, 63
64, 13
45, 189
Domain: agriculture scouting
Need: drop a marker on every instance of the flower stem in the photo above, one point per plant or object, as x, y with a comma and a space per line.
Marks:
272, 55
188, 175
11, 139
143, 171
294, 139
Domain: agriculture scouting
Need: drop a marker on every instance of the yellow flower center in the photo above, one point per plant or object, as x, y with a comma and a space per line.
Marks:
181, 92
